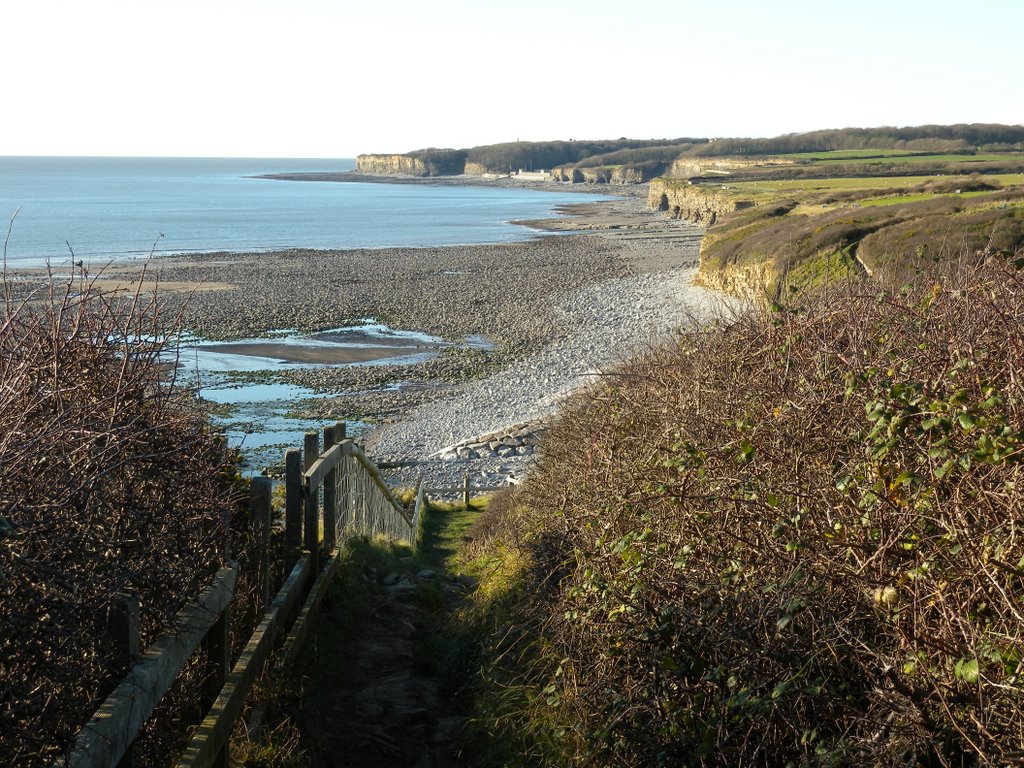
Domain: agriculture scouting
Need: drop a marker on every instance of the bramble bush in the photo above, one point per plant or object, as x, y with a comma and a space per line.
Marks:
796, 537
111, 481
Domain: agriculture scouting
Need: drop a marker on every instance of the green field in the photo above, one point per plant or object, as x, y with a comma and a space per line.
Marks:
962, 158
903, 199
841, 154
886, 156
824, 185
787, 186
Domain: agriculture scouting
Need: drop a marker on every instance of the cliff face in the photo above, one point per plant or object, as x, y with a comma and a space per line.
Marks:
696, 203
692, 167
751, 281
609, 174
705, 205
391, 165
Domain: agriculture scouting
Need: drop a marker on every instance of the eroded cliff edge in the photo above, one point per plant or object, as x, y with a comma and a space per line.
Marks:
391, 165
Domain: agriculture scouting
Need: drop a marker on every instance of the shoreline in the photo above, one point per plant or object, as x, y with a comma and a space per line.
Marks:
508, 182
556, 309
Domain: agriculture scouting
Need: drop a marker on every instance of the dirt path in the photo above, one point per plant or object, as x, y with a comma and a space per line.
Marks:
374, 692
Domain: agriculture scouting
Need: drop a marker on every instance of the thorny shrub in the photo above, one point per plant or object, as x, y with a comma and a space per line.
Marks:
798, 537
111, 481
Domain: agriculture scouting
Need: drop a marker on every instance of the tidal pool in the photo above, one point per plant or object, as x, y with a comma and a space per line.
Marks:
255, 413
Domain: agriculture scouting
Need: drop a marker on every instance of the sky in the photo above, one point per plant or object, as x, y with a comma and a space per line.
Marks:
335, 78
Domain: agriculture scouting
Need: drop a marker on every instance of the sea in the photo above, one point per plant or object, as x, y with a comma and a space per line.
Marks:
55, 210
103, 208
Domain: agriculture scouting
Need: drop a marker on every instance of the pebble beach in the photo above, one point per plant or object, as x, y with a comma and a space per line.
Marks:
523, 325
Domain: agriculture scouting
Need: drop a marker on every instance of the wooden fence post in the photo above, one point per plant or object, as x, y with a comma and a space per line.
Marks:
465, 490
330, 495
345, 508
218, 664
259, 518
123, 626
311, 452
292, 508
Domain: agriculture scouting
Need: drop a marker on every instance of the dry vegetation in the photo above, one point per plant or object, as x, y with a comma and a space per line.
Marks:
111, 481
794, 538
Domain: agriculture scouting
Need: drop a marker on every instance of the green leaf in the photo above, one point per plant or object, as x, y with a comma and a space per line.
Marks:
967, 421
967, 670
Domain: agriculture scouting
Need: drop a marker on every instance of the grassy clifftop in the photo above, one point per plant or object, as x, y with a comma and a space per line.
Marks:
807, 218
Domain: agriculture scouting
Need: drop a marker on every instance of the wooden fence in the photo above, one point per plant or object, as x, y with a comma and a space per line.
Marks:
329, 493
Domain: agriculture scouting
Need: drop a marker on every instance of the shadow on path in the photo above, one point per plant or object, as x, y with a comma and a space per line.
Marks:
372, 678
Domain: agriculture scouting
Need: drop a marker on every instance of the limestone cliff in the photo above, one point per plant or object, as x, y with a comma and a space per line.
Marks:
750, 280
705, 204
692, 167
700, 204
391, 165
606, 174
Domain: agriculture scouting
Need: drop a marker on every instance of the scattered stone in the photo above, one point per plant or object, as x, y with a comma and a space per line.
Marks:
391, 579
426, 574
467, 582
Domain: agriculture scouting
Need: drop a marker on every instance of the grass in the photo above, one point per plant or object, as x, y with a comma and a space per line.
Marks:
868, 156
809, 229
841, 154
840, 184
440, 646
903, 199
919, 158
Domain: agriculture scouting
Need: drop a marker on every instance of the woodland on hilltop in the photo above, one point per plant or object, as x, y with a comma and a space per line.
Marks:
536, 155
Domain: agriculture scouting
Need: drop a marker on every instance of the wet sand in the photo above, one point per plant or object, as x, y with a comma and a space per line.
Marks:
332, 355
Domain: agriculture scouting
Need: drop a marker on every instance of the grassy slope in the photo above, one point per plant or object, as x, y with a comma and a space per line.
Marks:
812, 229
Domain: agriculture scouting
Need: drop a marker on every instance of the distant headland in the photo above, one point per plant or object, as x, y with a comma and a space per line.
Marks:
796, 209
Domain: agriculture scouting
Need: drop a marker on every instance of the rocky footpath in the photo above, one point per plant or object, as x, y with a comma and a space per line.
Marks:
380, 699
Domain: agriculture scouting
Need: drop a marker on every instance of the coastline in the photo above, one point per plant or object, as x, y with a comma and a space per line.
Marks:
556, 309
614, 190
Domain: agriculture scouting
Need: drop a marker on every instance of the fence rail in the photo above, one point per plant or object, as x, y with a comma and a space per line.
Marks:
329, 494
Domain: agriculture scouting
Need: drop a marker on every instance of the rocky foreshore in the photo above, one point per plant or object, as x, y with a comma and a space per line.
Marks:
603, 324
556, 312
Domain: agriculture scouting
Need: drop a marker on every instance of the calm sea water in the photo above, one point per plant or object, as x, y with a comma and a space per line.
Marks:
106, 208
103, 208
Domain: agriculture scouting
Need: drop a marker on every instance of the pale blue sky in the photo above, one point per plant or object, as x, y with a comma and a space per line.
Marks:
333, 78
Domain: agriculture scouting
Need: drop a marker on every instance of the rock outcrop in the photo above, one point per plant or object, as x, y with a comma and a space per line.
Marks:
516, 440
699, 203
391, 165
606, 174
705, 204
692, 167
750, 281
